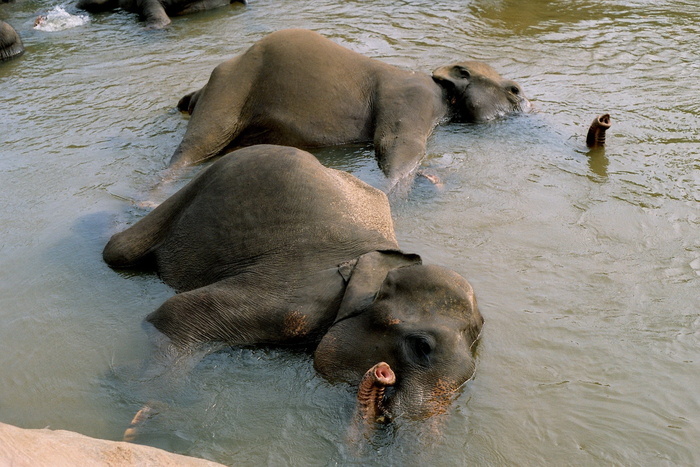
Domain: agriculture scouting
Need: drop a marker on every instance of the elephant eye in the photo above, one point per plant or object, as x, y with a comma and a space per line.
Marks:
515, 90
420, 348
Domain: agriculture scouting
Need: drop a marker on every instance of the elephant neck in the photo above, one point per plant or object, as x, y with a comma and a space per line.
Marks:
449, 100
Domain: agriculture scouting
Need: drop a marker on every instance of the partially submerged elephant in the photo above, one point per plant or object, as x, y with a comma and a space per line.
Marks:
267, 246
156, 13
297, 88
10, 43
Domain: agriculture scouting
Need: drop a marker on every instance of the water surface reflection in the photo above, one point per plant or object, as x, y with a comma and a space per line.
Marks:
586, 264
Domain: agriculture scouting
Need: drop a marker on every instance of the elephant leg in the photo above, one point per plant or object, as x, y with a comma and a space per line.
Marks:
134, 245
400, 142
160, 379
96, 6
252, 308
218, 117
203, 5
148, 411
399, 155
154, 13
236, 311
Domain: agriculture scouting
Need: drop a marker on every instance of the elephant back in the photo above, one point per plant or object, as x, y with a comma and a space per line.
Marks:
265, 206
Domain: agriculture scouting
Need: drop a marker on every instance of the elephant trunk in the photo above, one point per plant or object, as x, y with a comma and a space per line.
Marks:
370, 394
596, 132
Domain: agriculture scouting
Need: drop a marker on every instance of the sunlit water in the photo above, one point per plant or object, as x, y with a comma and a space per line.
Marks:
58, 19
586, 265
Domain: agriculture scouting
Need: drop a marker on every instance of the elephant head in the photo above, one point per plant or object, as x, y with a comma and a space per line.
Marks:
10, 43
477, 93
418, 322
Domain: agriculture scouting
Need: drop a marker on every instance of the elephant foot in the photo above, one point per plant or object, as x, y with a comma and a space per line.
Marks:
146, 204
142, 416
432, 178
596, 132
158, 25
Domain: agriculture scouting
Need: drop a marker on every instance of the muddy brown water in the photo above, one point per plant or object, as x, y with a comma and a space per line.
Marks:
586, 265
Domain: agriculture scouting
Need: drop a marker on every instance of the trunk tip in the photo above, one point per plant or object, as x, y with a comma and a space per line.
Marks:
603, 121
384, 374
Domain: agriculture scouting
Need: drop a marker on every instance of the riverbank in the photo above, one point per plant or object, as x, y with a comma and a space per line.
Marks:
43, 447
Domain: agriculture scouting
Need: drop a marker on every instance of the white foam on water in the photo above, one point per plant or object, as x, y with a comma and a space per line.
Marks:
58, 19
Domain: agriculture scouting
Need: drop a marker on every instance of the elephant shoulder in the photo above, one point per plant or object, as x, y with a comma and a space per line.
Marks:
401, 88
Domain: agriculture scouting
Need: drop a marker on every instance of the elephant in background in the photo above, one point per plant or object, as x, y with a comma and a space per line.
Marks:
10, 43
156, 13
298, 88
267, 246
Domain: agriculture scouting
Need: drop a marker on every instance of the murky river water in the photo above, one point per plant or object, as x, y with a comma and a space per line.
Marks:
586, 265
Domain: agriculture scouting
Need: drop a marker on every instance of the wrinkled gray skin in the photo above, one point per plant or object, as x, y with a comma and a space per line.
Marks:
10, 43
267, 246
297, 88
156, 13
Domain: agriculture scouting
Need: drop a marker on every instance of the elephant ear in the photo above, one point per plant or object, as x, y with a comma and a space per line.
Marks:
449, 76
366, 277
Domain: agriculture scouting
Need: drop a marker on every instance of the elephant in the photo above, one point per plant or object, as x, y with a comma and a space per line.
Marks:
10, 43
156, 13
295, 87
269, 247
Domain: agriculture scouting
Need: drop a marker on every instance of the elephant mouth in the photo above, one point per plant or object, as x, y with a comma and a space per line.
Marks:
371, 400
497, 111
524, 106
521, 105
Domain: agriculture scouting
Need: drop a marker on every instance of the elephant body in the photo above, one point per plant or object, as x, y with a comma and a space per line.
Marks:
10, 43
267, 246
298, 88
156, 13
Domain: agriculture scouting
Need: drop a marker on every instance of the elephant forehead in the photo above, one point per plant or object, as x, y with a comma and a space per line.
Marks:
428, 281
428, 289
480, 68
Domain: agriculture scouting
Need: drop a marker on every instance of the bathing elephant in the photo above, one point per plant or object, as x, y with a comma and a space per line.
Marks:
268, 246
297, 88
156, 13
10, 43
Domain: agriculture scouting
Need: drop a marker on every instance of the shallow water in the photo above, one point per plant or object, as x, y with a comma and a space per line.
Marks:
586, 265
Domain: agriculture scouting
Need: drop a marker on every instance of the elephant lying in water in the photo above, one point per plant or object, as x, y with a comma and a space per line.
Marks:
10, 43
297, 88
267, 246
156, 13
